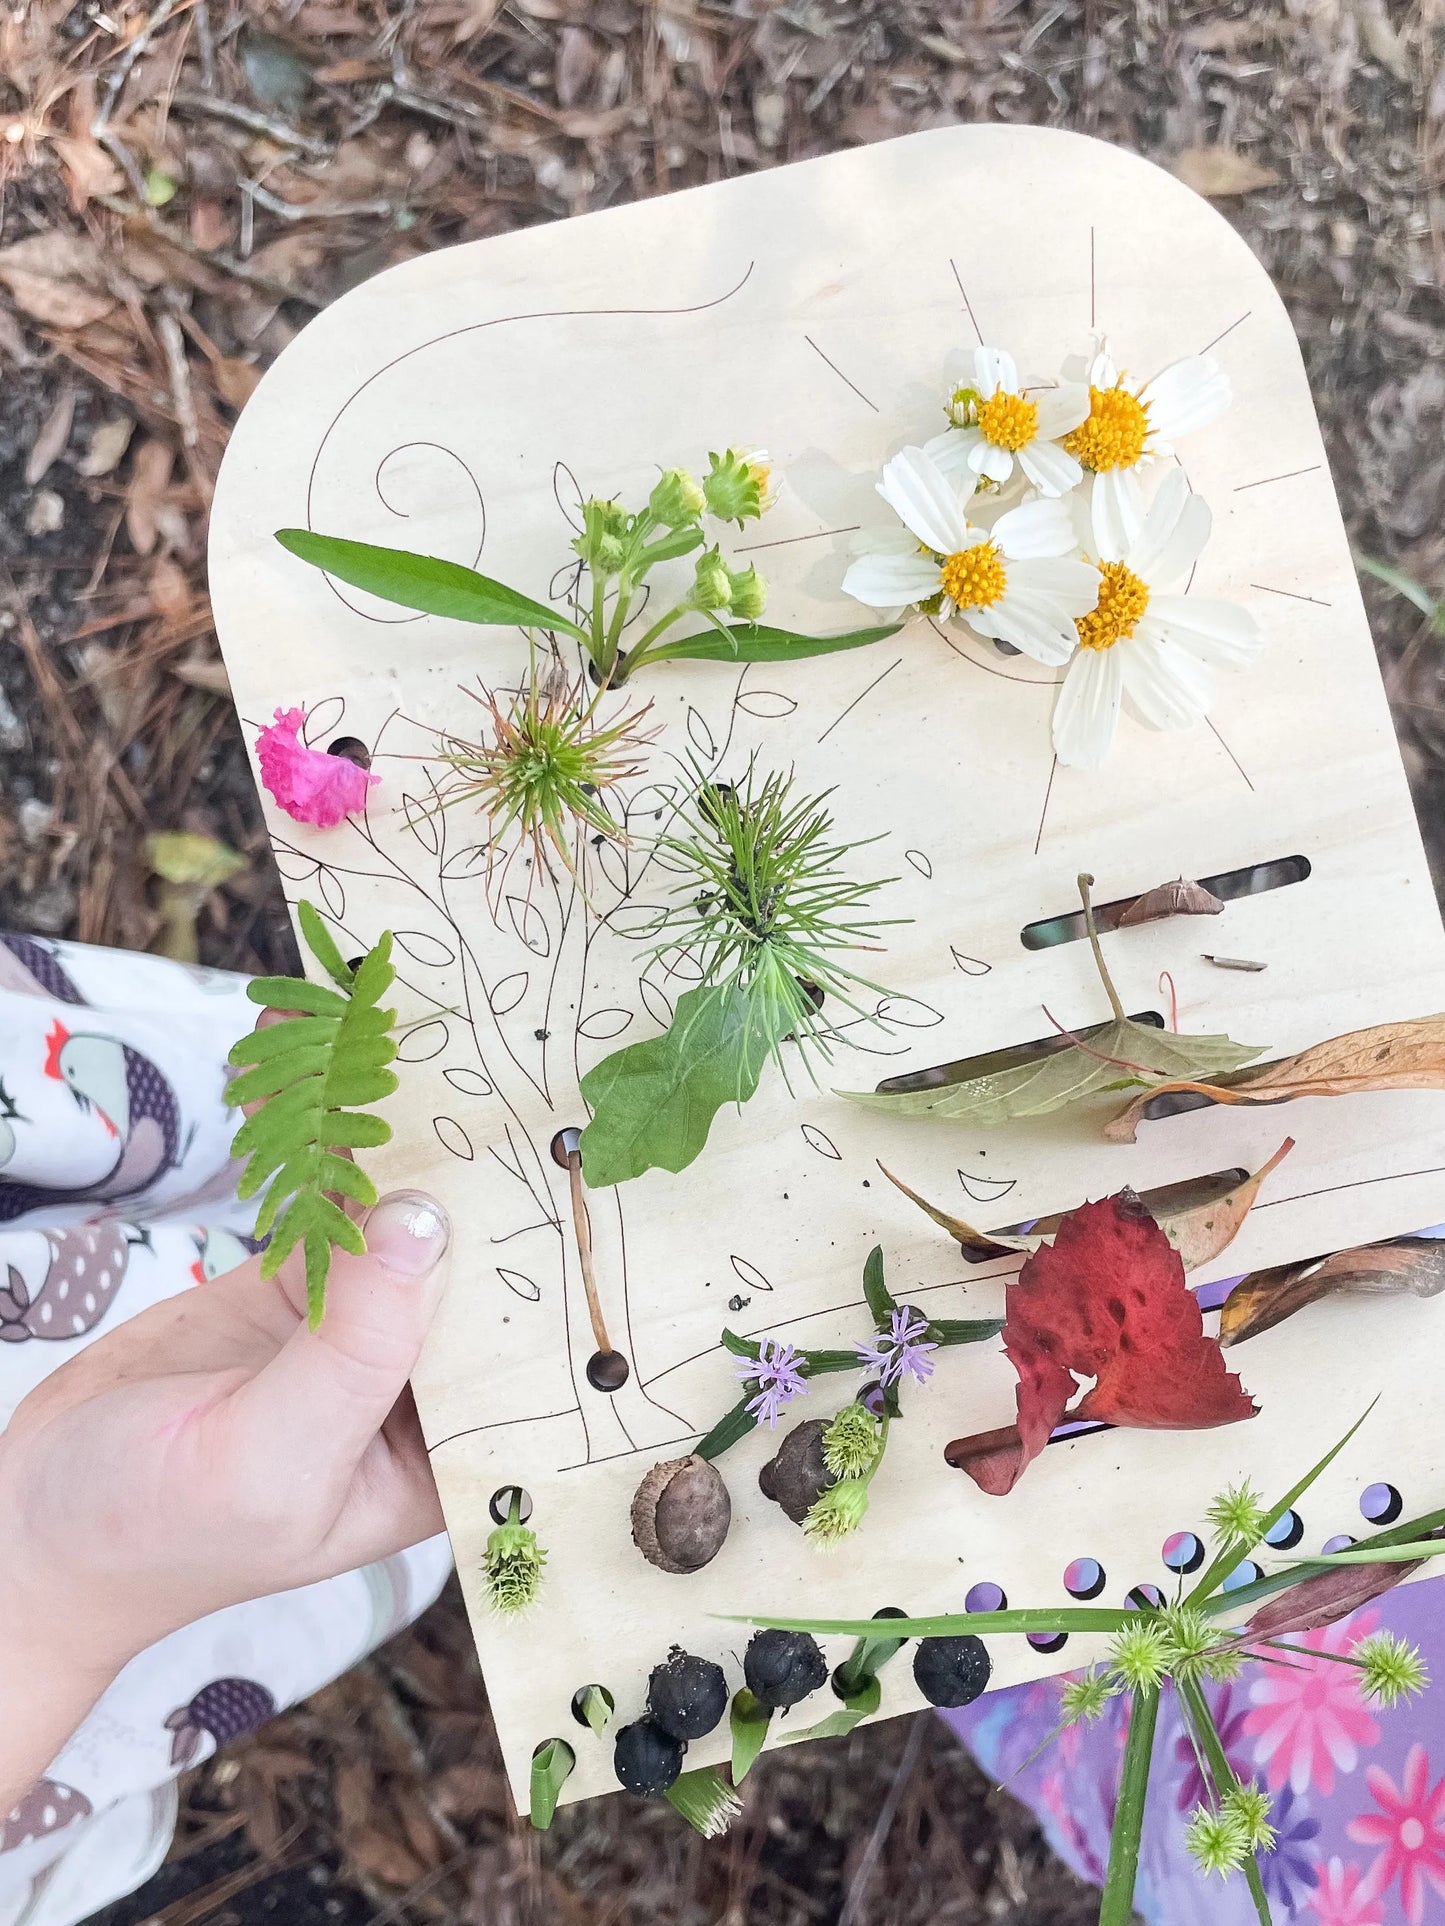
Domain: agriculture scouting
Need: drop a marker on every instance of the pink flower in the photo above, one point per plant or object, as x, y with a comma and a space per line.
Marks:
307, 783
1308, 1716
1344, 1897
1409, 1828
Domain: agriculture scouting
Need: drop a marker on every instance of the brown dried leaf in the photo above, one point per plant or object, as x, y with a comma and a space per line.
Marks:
1266, 1298
1180, 898
1326, 1597
108, 444
1220, 172
150, 478
1389, 1056
51, 437
236, 380
56, 278
89, 170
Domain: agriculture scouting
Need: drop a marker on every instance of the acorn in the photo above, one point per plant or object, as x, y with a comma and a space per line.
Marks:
687, 1696
952, 1671
646, 1759
680, 1514
783, 1667
795, 1477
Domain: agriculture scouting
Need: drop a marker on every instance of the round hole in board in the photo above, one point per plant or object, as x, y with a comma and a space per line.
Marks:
564, 1143
1084, 1578
1146, 1598
1340, 1542
608, 1371
500, 1504
350, 749
1286, 1532
1246, 1572
985, 1597
1182, 1551
354, 963
1048, 1641
579, 1699
1381, 1504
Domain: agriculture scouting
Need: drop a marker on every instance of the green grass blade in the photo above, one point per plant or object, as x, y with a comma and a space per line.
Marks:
1041, 1618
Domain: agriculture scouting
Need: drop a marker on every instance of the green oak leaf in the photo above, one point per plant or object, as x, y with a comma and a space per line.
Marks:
653, 1103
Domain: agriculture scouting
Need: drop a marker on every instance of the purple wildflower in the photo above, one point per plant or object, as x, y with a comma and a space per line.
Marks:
779, 1377
900, 1349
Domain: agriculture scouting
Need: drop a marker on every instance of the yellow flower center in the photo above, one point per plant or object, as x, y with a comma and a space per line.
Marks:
1008, 421
1123, 599
974, 578
1113, 436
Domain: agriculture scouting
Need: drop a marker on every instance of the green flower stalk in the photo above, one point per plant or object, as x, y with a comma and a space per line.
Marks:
512, 1563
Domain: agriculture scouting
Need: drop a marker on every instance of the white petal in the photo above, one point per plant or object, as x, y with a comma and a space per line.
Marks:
1087, 711
1034, 528
1074, 585
1061, 408
994, 368
1103, 369
950, 451
1166, 687
1173, 533
997, 463
1034, 624
930, 503
1220, 633
891, 581
1051, 469
1116, 512
1186, 396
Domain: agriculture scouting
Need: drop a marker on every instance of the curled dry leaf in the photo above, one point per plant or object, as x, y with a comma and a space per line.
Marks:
1108, 1301
150, 478
56, 278
1328, 1596
1266, 1298
1390, 1056
1179, 898
1198, 1232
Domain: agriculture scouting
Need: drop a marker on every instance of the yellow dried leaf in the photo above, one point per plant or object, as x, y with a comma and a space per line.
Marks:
1219, 172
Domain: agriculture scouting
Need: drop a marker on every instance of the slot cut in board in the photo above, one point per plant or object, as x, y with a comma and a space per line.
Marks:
1253, 880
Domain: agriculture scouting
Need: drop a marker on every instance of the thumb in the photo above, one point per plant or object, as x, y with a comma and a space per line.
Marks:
326, 1393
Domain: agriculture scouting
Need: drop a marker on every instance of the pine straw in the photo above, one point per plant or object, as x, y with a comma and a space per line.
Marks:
209, 174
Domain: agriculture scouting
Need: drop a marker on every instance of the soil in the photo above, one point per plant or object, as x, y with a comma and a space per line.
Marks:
187, 187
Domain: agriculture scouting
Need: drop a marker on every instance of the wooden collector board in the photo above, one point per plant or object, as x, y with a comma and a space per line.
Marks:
456, 405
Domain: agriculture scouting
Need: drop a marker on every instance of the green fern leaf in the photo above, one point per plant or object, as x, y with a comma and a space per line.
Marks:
310, 1073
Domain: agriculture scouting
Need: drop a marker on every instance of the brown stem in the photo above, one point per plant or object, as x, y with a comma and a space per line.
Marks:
1086, 883
581, 1224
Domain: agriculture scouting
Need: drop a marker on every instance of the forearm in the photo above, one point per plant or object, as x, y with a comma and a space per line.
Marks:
43, 1698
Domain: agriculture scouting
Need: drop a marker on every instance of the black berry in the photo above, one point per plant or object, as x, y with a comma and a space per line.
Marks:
952, 1671
783, 1667
646, 1759
687, 1696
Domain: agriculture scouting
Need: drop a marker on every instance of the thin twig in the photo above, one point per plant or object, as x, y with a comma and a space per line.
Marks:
256, 123
582, 1226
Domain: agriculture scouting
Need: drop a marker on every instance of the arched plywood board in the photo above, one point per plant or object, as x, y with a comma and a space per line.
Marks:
458, 405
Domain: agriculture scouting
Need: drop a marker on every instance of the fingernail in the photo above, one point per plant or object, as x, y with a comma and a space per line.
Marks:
408, 1231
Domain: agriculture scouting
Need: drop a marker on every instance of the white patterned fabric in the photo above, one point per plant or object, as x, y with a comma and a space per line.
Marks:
117, 1191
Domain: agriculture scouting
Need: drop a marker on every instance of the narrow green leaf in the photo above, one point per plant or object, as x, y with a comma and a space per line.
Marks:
678, 541
861, 1705
322, 944
1386, 1555
268, 1079
1037, 1618
1225, 1561
291, 993
964, 1330
653, 1103
1403, 584
706, 1800
729, 1429
597, 1708
819, 1364
1280, 1581
881, 1301
281, 1038
739, 1346
551, 1765
423, 582
318, 1268
355, 1129
748, 642
1117, 1906
748, 1722
867, 1660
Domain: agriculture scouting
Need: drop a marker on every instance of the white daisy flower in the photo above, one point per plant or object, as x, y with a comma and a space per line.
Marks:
1157, 653
1019, 581
997, 426
1130, 424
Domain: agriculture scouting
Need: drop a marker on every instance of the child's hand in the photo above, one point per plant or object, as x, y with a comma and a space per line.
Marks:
210, 1450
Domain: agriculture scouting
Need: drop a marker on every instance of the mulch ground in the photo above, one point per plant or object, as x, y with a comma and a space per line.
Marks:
181, 187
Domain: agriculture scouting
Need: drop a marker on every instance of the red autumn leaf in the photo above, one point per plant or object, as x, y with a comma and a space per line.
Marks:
1107, 1300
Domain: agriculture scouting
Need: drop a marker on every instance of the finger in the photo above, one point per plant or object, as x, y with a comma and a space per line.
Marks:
393, 1501
324, 1397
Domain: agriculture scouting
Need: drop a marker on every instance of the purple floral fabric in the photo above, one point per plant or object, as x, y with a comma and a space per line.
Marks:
1359, 1791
